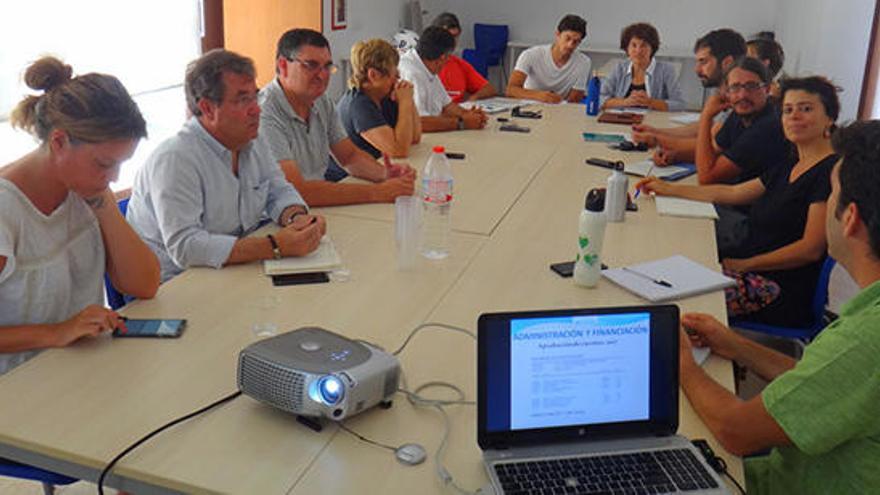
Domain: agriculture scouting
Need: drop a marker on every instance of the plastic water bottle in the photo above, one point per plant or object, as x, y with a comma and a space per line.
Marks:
591, 233
436, 203
615, 198
593, 90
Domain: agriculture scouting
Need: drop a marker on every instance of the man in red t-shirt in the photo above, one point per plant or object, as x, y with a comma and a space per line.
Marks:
461, 80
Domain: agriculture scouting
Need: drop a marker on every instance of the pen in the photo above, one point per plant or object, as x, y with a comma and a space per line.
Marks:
648, 277
639, 190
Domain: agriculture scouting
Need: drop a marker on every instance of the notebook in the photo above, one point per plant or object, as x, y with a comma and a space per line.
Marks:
685, 117
669, 172
570, 398
626, 118
680, 207
670, 278
323, 259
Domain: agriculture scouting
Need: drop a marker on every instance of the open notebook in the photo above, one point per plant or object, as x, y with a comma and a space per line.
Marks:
670, 278
323, 259
680, 207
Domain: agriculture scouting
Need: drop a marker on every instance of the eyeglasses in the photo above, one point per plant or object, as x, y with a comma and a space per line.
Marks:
749, 87
313, 66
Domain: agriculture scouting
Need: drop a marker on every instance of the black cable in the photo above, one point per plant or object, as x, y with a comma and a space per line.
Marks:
736, 483
365, 439
155, 432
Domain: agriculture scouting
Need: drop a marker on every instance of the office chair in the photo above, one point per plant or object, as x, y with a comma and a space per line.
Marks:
490, 43
477, 60
802, 335
49, 479
115, 298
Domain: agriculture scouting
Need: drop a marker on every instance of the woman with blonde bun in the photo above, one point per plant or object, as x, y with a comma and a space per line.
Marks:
60, 229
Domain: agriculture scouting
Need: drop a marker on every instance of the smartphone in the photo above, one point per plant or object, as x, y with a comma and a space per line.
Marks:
566, 268
300, 278
514, 128
151, 328
599, 162
454, 156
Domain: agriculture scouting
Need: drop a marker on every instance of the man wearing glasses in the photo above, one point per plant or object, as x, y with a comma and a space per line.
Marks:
300, 123
751, 139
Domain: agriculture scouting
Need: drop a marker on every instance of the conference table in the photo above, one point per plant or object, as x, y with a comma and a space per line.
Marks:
517, 201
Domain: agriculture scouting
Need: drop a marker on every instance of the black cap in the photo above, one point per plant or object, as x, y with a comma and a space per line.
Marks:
595, 200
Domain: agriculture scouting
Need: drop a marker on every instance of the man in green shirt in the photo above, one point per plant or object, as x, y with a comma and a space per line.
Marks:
819, 416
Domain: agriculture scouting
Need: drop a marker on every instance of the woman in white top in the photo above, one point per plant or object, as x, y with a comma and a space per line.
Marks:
60, 229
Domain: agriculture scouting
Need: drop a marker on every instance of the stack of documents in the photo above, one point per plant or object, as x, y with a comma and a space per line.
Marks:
323, 259
675, 277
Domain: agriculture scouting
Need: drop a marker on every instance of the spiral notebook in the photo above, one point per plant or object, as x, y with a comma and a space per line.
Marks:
323, 259
670, 278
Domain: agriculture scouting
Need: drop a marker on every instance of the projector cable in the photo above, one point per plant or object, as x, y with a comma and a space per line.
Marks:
155, 432
432, 324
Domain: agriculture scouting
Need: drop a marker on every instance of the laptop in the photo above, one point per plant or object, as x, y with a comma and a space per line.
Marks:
585, 401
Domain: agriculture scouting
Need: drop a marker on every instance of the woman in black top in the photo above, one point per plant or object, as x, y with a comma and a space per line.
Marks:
378, 111
778, 265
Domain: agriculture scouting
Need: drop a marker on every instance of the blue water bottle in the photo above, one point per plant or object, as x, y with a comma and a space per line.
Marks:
592, 99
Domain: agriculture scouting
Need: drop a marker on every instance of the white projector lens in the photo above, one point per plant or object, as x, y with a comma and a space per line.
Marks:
330, 390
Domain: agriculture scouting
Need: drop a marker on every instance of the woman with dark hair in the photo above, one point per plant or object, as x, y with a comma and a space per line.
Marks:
60, 229
642, 80
778, 264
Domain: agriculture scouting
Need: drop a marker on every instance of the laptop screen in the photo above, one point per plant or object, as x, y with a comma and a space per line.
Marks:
572, 374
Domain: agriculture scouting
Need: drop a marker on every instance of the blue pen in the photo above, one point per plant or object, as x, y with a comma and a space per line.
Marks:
639, 190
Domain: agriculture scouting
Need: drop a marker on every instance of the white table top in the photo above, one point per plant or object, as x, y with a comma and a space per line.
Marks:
519, 193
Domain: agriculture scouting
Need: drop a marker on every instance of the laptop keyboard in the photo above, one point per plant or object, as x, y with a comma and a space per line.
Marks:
660, 471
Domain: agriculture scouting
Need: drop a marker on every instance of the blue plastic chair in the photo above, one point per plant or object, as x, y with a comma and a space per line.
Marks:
491, 41
477, 60
49, 479
490, 44
115, 298
802, 334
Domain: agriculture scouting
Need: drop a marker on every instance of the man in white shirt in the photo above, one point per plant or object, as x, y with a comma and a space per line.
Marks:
557, 72
420, 66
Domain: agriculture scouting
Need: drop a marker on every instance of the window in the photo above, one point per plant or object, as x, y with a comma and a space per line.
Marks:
146, 44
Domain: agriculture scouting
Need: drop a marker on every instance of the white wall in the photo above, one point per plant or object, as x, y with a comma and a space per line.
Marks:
367, 19
680, 22
829, 38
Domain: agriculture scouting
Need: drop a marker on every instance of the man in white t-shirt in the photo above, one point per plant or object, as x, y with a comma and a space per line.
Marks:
557, 72
420, 67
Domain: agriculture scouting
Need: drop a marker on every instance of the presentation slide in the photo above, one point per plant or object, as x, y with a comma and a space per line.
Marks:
579, 370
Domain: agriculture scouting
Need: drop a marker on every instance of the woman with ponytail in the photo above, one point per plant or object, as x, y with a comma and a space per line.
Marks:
60, 229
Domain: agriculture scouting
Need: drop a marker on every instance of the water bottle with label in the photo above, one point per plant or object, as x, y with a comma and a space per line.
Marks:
615, 198
436, 203
591, 233
592, 99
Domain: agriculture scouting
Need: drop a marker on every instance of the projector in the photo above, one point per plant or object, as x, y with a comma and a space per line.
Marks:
315, 373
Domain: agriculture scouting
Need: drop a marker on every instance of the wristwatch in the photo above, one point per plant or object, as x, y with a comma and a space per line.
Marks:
276, 251
460, 124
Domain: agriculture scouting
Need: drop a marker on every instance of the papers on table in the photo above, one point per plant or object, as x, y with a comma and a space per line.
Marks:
675, 277
635, 110
680, 207
685, 118
323, 259
701, 354
496, 104
669, 172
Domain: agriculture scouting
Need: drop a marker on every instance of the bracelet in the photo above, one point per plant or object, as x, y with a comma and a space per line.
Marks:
276, 251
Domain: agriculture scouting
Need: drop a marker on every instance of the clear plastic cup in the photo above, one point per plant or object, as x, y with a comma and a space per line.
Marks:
407, 220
